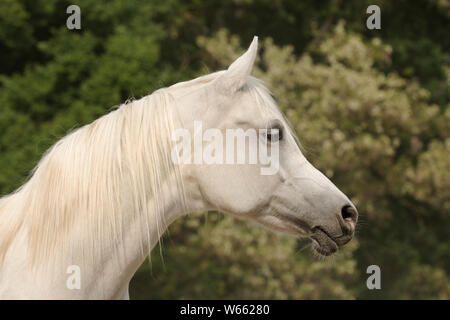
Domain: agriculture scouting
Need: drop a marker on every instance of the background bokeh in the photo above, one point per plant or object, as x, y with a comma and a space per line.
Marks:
371, 108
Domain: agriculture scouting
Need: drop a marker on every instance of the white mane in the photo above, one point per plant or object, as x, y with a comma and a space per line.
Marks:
85, 176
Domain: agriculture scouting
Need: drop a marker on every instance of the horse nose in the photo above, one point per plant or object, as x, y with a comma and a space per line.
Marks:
349, 216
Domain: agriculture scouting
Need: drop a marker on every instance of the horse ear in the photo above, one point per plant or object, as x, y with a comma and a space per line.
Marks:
237, 74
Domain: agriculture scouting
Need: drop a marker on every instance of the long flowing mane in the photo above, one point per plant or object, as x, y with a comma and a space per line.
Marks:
86, 176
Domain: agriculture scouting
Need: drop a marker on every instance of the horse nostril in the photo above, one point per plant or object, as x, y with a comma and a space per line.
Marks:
349, 213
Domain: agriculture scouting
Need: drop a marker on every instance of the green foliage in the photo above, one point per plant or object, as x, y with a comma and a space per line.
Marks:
371, 108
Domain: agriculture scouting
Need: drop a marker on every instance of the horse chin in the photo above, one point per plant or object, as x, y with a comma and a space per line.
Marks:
323, 243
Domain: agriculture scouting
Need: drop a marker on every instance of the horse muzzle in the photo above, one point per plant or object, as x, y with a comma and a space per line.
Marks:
325, 241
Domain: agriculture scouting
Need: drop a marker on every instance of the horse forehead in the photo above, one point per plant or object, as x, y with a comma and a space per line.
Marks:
246, 112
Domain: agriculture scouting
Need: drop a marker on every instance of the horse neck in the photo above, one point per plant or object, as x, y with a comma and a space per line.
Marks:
109, 206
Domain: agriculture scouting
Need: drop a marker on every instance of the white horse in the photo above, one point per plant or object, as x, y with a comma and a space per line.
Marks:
100, 199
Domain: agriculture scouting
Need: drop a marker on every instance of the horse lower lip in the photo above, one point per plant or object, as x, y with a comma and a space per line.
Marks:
325, 244
323, 251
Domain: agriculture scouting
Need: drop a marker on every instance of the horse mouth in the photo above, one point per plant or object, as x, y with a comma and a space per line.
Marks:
323, 243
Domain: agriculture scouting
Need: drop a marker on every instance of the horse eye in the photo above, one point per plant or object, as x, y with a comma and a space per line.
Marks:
275, 133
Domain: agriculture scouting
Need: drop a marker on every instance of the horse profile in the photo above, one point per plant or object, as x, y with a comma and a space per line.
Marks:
102, 196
